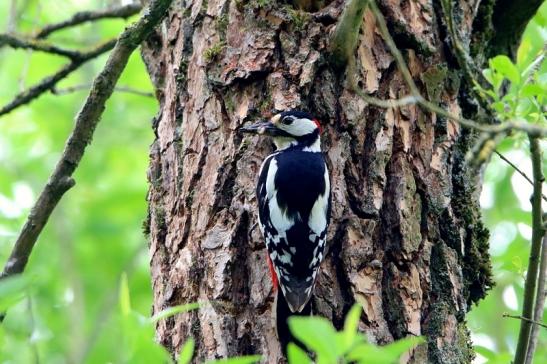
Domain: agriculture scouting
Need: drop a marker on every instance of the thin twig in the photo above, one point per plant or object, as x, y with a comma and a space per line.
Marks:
503, 158
540, 302
407, 76
517, 169
76, 88
21, 43
49, 82
85, 16
387, 104
89, 116
535, 251
534, 322
532, 130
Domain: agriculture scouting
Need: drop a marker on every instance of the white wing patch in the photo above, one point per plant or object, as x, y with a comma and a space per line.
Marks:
270, 178
318, 216
279, 217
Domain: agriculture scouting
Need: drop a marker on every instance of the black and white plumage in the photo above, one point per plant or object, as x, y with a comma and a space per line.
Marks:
293, 194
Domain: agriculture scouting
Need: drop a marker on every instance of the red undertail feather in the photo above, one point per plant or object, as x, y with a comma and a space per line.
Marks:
272, 273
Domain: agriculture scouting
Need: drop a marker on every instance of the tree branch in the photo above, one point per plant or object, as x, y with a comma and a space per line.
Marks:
18, 42
533, 262
86, 16
49, 82
86, 122
540, 301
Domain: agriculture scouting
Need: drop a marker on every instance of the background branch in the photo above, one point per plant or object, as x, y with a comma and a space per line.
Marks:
19, 42
77, 58
85, 16
76, 88
49, 82
533, 263
540, 301
86, 121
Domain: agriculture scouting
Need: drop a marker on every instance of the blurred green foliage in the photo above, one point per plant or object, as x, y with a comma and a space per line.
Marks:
69, 311
70, 306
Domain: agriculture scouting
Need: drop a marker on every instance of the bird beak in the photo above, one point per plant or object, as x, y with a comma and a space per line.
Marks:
262, 127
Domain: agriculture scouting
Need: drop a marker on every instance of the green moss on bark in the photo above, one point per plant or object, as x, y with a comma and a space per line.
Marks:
443, 309
476, 265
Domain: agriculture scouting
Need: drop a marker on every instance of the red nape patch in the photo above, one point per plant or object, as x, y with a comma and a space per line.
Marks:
318, 125
272, 273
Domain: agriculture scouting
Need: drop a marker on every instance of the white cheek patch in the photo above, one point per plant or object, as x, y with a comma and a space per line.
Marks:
299, 127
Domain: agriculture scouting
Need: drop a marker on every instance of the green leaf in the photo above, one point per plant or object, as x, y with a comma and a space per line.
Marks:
296, 355
504, 66
532, 90
371, 354
250, 359
318, 334
351, 325
401, 346
493, 78
487, 353
171, 311
125, 298
187, 351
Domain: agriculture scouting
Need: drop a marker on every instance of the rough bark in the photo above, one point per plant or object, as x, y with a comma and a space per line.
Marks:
406, 239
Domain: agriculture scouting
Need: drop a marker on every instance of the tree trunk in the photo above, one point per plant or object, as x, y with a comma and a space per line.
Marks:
406, 240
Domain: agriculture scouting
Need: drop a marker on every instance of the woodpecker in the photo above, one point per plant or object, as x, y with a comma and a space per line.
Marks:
294, 205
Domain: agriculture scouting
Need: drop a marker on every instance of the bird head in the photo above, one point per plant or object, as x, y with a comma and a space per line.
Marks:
291, 128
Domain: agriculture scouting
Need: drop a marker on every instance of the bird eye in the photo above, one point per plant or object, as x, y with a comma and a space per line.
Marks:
287, 120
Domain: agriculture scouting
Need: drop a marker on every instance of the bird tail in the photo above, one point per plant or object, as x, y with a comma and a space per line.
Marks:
283, 312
